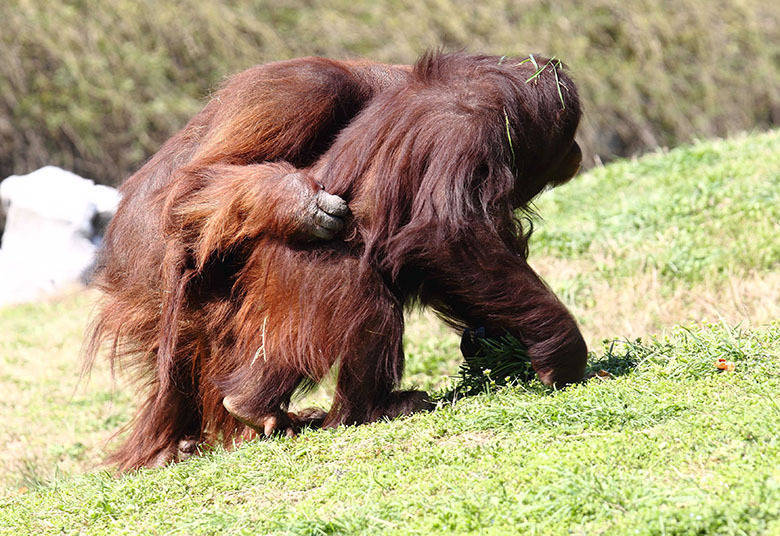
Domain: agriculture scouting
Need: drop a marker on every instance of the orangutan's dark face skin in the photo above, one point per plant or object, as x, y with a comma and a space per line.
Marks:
559, 173
568, 167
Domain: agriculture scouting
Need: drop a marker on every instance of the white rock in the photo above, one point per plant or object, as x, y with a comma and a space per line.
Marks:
51, 236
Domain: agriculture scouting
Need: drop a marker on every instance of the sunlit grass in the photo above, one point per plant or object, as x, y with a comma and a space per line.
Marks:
677, 236
670, 445
665, 443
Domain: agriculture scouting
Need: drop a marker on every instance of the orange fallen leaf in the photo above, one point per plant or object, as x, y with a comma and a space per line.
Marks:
603, 374
722, 364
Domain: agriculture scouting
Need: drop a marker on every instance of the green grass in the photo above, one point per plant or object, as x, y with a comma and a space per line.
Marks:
695, 213
675, 236
668, 445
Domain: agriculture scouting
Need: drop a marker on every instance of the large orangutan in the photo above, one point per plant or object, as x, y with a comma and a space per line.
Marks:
231, 278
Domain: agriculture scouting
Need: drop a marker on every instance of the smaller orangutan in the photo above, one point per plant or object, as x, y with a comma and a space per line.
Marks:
235, 275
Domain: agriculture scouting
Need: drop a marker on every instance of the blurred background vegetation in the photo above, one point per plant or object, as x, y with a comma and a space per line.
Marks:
97, 86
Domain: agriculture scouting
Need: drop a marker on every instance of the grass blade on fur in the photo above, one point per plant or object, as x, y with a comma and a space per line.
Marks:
558, 83
509, 137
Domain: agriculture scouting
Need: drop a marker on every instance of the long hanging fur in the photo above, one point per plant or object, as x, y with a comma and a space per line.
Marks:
465, 141
210, 294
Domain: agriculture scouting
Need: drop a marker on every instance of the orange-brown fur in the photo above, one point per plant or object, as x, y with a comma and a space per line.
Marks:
214, 292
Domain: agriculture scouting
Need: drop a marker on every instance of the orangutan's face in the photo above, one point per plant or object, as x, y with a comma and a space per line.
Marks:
567, 167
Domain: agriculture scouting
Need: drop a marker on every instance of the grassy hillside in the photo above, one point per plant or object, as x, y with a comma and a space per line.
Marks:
668, 445
96, 87
673, 237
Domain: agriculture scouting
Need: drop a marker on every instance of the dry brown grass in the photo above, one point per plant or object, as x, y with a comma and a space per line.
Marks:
97, 86
52, 424
640, 304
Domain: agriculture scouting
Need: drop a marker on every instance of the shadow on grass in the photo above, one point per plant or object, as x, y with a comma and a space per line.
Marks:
490, 362
621, 358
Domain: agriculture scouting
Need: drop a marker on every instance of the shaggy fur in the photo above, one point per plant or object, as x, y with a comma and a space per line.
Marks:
214, 293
